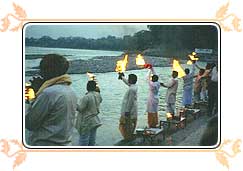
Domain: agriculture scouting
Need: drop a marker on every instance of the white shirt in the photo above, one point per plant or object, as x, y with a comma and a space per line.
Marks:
214, 76
153, 99
129, 103
172, 86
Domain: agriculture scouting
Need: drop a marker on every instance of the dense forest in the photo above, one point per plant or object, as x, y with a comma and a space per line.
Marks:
157, 40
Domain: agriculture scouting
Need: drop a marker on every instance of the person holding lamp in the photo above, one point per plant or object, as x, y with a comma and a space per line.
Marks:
128, 118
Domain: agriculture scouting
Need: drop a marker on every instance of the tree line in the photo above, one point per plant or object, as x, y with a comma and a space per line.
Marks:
163, 39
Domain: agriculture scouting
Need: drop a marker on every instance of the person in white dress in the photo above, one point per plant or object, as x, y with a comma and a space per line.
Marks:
153, 98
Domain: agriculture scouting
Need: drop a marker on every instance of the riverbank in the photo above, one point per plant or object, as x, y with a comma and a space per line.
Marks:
102, 64
189, 136
183, 135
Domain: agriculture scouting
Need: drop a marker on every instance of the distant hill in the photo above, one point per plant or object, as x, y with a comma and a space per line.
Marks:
159, 40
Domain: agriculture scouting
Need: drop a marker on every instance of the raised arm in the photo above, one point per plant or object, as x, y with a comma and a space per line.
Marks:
193, 70
125, 81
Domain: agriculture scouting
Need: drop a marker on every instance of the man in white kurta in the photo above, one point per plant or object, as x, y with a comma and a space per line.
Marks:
170, 98
153, 98
128, 119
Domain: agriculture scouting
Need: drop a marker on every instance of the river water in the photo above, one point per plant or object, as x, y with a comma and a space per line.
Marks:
112, 91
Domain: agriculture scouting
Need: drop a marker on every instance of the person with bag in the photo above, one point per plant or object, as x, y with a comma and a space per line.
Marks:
87, 118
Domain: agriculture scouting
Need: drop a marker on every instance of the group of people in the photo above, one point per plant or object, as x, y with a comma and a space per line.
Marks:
53, 114
205, 87
51, 117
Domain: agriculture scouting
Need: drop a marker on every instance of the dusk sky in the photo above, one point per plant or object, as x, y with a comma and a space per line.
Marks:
87, 31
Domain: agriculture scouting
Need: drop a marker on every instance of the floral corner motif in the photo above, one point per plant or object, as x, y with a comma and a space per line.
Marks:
228, 21
224, 156
13, 150
13, 21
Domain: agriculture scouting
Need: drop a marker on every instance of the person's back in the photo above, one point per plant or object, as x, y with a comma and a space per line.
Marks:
87, 119
170, 98
89, 109
171, 91
154, 89
58, 102
93, 100
51, 114
129, 102
129, 111
188, 86
153, 98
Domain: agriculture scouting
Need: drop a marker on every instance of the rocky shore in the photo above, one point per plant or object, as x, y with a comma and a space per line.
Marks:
102, 64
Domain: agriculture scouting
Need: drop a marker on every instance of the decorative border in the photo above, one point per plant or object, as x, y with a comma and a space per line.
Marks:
20, 17
223, 156
19, 154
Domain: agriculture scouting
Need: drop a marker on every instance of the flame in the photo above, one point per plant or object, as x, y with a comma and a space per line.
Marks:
192, 57
168, 115
122, 64
140, 60
189, 62
29, 92
91, 76
177, 67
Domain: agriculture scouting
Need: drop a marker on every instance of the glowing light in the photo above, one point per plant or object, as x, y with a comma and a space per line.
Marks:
91, 76
189, 62
140, 60
177, 67
29, 92
121, 65
192, 57
169, 116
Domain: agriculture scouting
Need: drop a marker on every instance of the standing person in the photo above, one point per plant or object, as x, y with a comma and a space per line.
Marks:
128, 119
188, 86
202, 81
205, 81
153, 99
87, 119
170, 98
50, 117
198, 85
213, 91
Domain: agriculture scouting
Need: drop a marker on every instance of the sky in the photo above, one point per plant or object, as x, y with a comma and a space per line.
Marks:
86, 31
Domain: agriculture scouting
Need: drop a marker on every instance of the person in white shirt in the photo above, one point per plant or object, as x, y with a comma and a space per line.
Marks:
170, 98
50, 117
213, 91
128, 119
153, 98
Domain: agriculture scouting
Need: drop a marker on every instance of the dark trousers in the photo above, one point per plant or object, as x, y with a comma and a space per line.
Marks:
212, 97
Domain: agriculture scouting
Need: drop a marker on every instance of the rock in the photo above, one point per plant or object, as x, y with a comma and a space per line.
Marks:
102, 64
